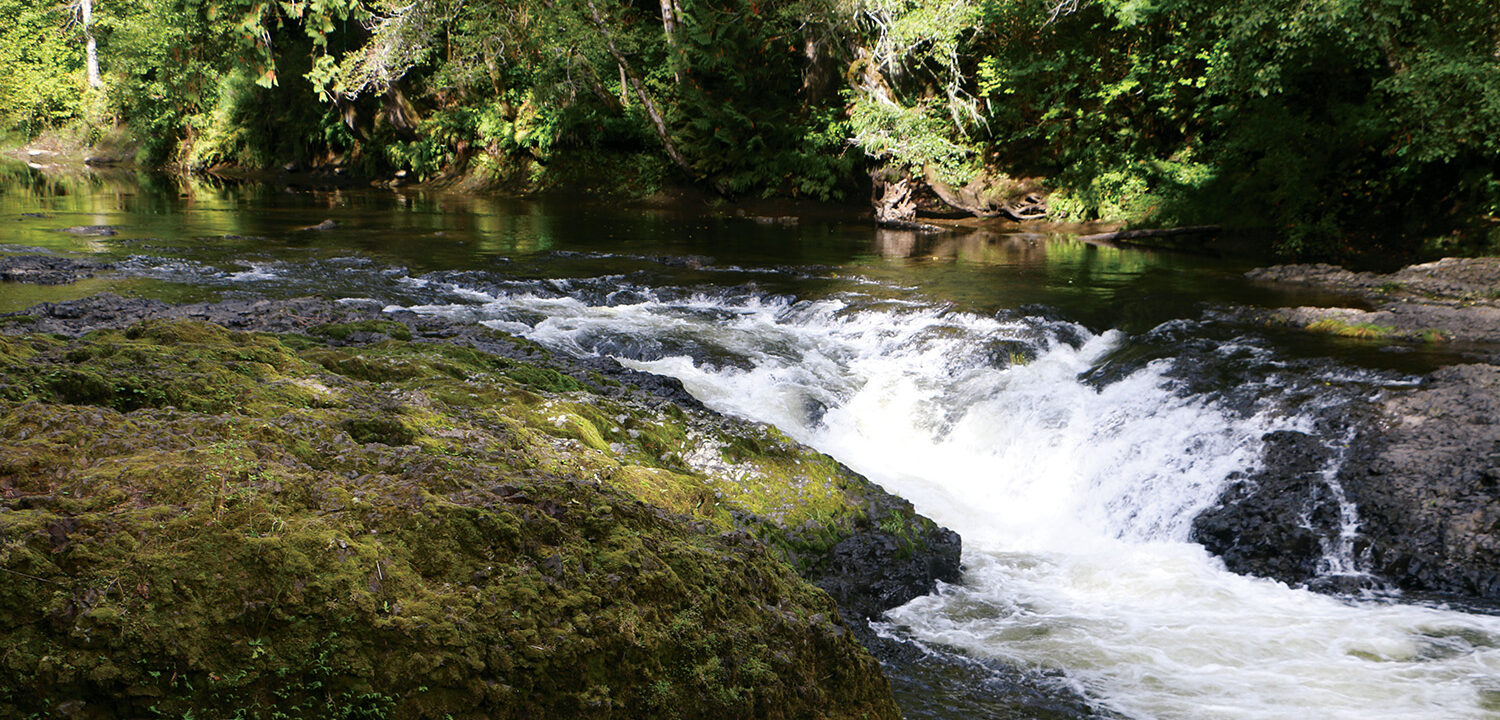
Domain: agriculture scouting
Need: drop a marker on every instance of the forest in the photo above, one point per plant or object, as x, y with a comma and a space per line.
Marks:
1331, 127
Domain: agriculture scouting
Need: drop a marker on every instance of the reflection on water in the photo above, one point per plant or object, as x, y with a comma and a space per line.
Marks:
226, 226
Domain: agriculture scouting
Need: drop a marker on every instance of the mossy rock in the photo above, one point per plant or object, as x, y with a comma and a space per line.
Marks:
251, 528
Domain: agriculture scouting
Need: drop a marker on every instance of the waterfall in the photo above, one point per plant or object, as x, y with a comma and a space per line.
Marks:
1074, 494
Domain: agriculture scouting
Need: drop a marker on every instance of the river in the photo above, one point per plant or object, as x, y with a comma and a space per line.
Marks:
1066, 408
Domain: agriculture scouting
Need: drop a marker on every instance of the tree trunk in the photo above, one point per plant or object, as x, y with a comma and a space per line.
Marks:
91, 49
640, 91
670, 13
989, 196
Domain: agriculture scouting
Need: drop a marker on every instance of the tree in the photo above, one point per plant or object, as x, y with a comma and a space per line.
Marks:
40, 82
85, 9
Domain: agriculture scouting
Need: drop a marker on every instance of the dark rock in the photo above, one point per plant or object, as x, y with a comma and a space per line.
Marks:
1422, 476
876, 570
91, 230
47, 269
933, 684
1272, 524
1427, 495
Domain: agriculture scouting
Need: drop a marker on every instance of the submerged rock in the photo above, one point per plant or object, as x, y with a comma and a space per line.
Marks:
47, 269
91, 230
377, 515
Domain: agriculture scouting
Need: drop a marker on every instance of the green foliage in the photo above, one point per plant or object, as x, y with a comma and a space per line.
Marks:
1336, 125
912, 137
911, 102
743, 113
42, 81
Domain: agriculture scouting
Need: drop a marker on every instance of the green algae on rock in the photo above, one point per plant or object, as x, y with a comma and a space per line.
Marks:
198, 521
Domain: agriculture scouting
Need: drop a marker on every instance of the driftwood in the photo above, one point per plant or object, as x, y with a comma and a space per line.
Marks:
891, 195
1114, 239
979, 198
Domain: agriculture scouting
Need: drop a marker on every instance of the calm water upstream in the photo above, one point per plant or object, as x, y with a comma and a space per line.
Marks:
1066, 408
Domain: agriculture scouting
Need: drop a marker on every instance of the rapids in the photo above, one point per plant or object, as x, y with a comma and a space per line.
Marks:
1074, 490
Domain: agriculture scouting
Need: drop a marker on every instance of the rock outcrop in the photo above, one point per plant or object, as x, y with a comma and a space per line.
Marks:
1428, 488
373, 515
1453, 300
1423, 472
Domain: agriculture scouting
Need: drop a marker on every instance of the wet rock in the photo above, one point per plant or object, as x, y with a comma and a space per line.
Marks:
91, 230
77, 317
1273, 523
935, 684
47, 269
325, 225
877, 569
1429, 492
1423, 476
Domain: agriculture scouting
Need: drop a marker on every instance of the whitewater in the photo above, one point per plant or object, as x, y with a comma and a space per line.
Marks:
1073, 491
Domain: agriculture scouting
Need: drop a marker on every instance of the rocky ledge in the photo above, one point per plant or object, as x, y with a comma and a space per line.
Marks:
298, 507
1423, 478
1451, 300
1422, 472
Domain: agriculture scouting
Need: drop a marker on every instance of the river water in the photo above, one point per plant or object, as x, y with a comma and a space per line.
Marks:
1066, 408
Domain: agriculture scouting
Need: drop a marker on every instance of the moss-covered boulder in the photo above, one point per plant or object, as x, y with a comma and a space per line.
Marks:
201, 522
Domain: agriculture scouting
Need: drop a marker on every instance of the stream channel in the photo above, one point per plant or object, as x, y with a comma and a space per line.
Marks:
1066, 408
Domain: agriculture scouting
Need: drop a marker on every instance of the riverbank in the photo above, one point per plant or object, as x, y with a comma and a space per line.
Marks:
260, 505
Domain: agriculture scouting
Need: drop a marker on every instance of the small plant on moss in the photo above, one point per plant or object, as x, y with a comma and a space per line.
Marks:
1434, 336
1363, 331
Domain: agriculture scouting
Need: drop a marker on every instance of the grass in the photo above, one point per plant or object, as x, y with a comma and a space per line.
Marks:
1363, 331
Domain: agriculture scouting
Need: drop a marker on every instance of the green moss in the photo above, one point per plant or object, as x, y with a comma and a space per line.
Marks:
189, 365
384, 430
229, 524
545, 379
1434, 336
